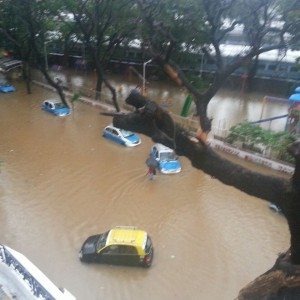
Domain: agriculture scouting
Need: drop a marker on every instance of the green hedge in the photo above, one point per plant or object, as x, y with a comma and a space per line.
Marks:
251, 135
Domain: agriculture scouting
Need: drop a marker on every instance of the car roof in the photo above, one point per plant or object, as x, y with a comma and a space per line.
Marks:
127, 235
162, 148
112, 126
54, 101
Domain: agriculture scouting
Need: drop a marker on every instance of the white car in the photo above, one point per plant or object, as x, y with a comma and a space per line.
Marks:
275, 207
56, 107
167, 160
120, 136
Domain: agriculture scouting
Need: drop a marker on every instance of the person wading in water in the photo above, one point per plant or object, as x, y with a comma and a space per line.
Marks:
152, 165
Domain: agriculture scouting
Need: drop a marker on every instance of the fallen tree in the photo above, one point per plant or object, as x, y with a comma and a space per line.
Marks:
282, 281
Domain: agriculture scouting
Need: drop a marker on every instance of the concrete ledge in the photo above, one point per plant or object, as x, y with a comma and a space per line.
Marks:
278, 166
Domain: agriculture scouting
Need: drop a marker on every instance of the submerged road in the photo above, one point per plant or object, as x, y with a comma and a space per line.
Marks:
61, 182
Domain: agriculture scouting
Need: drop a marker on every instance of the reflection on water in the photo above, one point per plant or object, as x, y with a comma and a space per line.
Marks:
62, 182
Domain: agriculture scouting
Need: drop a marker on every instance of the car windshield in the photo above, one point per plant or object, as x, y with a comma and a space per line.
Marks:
166, 156
59, 105
102, 240
126, 133
148, 245
3, 82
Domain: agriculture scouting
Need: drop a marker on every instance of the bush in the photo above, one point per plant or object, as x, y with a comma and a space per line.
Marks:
253, 135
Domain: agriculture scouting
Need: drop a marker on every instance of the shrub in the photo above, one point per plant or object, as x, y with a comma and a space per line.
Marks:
253, 135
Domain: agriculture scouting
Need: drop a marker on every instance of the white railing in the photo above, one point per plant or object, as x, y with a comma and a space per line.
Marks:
38, 284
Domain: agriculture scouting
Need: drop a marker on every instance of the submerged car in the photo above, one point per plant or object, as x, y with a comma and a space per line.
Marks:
120, 136
56, 107
275, 207
168, 162
124, 245
5, 87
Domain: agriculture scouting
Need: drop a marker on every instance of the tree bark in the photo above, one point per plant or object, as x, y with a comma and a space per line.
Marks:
27, 76
281, 282
251, 74
98, 86
114, 94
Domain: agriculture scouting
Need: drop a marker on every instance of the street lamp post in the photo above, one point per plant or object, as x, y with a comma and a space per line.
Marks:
144, 76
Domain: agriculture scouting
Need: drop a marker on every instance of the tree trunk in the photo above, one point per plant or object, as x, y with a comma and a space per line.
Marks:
27, 76
293, 206
66, 54
114, 94
102, 78
281, 282
57, 86
98, 85
251, 74
203, 99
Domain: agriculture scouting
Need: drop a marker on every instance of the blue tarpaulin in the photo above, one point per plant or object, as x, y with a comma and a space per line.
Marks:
297, 89
295, 97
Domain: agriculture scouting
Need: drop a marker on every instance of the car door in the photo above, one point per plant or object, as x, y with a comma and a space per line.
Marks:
117, 137
51, 106
156, 156
109, 255
109, 133
128, 255
46, 105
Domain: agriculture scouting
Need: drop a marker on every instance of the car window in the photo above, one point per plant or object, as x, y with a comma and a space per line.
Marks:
3, 82
59, 105
115, 132
111, 250
167, 156
148, 244
127, 250
126, 133
102, 240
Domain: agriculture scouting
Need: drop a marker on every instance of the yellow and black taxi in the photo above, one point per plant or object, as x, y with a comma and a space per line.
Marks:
123, 245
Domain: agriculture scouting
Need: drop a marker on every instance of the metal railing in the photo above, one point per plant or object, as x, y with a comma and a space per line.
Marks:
37, 289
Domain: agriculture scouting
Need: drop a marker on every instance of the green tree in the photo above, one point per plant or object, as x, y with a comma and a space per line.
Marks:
14, 36
265, 28
104, 25
32, 20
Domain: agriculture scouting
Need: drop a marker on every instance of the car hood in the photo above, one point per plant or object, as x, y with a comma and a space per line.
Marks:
7, 88
170, 166
89, 246
62, 111
133, 138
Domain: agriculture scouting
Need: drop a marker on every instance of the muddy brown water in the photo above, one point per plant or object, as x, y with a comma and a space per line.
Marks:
227, 108
60, 182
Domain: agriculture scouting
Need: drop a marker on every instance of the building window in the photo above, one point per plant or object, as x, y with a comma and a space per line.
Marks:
272, 67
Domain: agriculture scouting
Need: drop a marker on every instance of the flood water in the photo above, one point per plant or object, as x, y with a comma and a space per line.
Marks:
227, 108
61, 182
